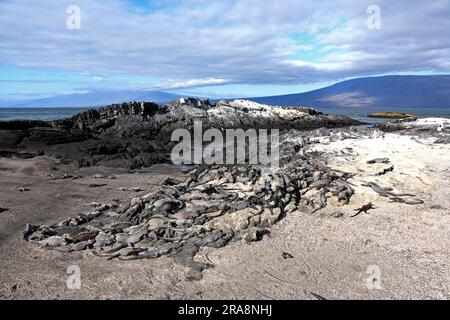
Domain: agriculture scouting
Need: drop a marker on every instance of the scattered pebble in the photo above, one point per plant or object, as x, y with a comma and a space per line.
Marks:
287, 255
101, 176
23, 189
97, 185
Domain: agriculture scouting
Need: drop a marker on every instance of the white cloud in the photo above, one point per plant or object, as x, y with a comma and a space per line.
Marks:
174, 84
97, 79
351, 99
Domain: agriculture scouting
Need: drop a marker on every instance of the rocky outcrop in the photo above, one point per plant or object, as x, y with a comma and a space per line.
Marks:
392, 115
103, 118
434, 128
22, 124
137, 134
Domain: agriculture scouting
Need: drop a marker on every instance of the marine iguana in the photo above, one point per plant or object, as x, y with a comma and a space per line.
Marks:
364, 209
378, 160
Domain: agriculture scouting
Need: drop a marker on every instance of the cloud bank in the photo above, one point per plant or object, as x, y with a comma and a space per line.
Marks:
198, 42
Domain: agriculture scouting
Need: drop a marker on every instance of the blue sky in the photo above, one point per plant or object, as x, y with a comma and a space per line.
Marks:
214, 48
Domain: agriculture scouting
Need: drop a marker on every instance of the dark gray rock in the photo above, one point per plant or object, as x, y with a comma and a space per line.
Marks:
137, 134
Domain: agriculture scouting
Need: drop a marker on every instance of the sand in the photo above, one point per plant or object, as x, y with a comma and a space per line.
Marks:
334, 255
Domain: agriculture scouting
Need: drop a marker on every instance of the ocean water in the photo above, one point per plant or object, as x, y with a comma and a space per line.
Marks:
362, 113
45, 114
355, 113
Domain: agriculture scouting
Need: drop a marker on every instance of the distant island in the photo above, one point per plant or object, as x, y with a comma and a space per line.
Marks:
395, 92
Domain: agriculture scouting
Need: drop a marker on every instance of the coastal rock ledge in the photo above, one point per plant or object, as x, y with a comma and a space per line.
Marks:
137, 134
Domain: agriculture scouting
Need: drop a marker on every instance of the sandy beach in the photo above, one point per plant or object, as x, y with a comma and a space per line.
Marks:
327, 254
